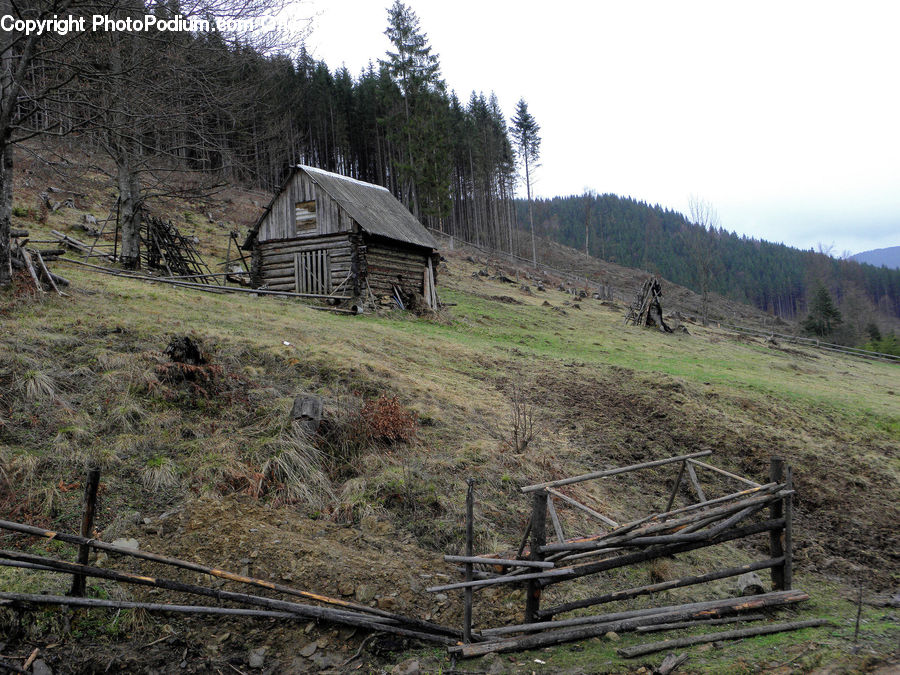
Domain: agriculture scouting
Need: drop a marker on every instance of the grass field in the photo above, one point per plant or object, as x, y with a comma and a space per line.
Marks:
85, 380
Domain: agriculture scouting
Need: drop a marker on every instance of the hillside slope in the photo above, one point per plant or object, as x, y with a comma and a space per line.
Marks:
85, 380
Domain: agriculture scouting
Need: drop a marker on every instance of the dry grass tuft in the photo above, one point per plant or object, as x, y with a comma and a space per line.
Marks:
293, 470
37, 385
159, 473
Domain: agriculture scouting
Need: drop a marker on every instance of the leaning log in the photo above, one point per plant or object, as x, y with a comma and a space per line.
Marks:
678, 625
553, 637
650, 647
356, 619
661, 551
629, 593
222, 574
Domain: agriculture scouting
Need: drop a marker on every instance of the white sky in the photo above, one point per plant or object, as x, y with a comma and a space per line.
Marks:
785, 116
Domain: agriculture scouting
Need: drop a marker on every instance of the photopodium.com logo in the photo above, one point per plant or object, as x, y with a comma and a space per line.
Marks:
141, 24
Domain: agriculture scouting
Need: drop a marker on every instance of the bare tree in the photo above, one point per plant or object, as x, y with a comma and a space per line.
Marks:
22, 99
521, 420
154, 101
705, 217
143, 93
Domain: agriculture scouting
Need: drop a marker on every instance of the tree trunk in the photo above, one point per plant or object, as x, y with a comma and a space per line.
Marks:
530, 209
6, 180
7, 105
130, 213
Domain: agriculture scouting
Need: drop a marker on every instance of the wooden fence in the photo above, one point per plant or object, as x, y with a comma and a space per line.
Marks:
547, 557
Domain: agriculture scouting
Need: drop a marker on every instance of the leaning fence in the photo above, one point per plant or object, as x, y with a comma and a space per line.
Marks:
547, 557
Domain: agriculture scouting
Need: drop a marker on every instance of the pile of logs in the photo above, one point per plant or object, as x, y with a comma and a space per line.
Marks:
646, 309
35, 262
164, 247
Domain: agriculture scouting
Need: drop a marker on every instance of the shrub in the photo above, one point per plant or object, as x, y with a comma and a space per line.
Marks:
387, 421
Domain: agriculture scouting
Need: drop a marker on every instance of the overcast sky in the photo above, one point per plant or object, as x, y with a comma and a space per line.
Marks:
785, 116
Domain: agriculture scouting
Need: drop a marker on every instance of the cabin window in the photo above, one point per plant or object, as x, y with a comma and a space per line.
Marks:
312, 272
304, 217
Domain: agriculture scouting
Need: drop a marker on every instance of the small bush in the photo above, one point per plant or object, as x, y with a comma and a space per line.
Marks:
387, 421
352, 427
20, 212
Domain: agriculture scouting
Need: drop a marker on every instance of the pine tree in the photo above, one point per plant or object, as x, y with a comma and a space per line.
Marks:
525, 132
823, 316
416, 71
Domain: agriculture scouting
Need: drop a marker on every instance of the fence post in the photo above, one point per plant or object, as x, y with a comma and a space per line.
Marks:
776, 537
87, 527
470, 537
538, 539
788, 579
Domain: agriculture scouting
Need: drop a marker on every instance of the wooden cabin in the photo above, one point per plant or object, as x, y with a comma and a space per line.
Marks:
327, 235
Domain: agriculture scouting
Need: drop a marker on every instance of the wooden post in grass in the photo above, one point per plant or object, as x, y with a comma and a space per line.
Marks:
470, 548
788, 530
538, 539
87, 527
776, 537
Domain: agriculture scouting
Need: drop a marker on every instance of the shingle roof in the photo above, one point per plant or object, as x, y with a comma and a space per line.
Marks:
376, 210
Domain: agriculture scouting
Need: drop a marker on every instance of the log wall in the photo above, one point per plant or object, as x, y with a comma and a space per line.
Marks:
273, 261
386, 260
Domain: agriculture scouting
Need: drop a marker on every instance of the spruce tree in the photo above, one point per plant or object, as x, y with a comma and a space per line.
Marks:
525, 132
823, 316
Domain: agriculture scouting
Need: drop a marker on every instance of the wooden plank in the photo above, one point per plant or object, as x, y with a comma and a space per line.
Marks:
505, 562
27, 258
704, 608
627, 527
586, 509
651, 647
723, 472
587, 569
547, 638
613, 472
557, 526
494, 581
656, 628
696, 483
677, 525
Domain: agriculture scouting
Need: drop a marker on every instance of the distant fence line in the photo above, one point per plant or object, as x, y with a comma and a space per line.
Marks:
812, 342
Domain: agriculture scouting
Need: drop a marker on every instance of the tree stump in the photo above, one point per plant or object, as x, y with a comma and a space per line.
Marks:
307, 411
750, 584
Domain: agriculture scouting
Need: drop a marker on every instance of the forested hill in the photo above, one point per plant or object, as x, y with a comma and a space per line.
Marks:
773, 277
889, 257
